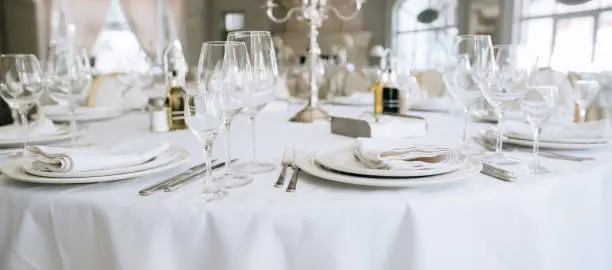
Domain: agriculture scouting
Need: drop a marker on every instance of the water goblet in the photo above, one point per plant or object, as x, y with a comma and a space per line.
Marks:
224, 66
261, 87
21, 85
204, 115
585, 92
538, 105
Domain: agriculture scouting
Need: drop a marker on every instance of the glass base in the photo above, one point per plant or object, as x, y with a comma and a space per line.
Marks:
500, 159
233, 180
254, 167
213, 194
537, 168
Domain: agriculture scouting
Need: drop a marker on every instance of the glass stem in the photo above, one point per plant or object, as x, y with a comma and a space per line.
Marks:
228, 151
500, 133
209, 182
73, 124
23, 118
253, 148
537, 133
466, 124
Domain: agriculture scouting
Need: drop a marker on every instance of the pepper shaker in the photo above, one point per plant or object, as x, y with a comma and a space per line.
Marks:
158, 114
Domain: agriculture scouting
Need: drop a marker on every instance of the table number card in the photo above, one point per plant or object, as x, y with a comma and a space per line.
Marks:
384, 126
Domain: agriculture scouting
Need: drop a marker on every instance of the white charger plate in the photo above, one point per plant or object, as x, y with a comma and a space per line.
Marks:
310, 166
60, 113
343, 160
62, 133
14, 170
163, 159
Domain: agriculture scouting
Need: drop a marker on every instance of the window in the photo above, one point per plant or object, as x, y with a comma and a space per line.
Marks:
422, 45
567, 37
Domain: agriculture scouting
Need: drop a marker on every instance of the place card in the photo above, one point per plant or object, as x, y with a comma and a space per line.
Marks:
383, 126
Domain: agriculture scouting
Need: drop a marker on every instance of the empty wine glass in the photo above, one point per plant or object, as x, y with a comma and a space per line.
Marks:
205, 115
538, 105
66, 76
585, 93
224, 66
21, 85
503, 83
466, 60
261, 87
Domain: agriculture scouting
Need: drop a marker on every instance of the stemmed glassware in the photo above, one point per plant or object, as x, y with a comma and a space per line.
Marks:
467, 58
224, 67
66, 76
538, 105
205, 115
21, 85
503, 83
261, 87
585, 93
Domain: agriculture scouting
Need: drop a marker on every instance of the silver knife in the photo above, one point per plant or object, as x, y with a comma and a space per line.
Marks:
498, 175
192, 177
497, 169
154, 188
294, 178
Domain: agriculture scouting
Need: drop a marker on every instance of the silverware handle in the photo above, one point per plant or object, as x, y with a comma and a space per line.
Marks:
159, 186
498, 175
192, 177
281, 178
293, 182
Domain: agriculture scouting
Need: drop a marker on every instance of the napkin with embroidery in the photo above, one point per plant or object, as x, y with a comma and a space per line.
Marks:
377, 154
63, 159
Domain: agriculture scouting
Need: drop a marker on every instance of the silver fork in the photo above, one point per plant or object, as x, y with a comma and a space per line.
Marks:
287, 161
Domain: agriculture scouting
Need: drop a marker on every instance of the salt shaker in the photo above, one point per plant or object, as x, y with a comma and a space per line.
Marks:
158, 114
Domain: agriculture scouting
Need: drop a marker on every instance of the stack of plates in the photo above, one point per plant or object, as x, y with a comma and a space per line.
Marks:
340, 165
61, 113
559, 141
23, 170
61, 133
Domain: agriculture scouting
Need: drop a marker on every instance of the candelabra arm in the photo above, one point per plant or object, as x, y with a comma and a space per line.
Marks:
343, 17
270, 13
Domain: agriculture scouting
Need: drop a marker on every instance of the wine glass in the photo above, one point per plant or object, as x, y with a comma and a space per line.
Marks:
503, 83
585, 92
66, 76
465, 61
261, 87
205, 115
224, 67
538, 105
21, 85
87, 75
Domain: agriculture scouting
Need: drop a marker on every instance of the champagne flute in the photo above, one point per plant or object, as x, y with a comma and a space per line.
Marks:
21, 85
261, 87
503, 83
538, 105
585, 92
205, 115
224, 67
66, 77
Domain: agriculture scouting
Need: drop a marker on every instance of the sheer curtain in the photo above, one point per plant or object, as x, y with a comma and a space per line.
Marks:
88, 17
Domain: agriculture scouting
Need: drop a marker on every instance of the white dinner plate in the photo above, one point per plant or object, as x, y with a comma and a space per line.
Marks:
163, 159
343, 160
14, 170
60, 113
310, 166
63, 133
433, 105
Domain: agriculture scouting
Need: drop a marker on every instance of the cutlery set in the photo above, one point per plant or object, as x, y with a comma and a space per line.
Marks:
288, 161
490, 146
182, 179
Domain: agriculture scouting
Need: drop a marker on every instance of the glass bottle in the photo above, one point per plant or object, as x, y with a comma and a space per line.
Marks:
175, 97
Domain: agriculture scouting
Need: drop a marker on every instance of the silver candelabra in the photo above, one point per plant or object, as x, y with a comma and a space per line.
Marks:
314, 12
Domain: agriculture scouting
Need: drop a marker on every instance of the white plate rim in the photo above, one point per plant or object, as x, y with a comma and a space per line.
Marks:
557, 146
309, 166
14, 170
319, 157
167, 157
44, 139
517, 136
113, 113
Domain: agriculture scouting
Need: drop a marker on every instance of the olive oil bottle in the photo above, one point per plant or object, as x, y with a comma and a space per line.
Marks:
175, 98
386, 80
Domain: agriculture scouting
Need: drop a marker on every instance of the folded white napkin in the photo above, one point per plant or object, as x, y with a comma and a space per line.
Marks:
589, 130
39, 128
62, 159
377, 154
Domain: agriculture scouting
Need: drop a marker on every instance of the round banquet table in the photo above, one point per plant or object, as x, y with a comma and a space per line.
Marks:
558, 221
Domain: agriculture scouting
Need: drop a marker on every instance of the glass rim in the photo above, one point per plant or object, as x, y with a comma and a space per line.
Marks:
223, 43
249, 33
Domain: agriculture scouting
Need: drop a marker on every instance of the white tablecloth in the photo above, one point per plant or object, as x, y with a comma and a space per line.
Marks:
561, 221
